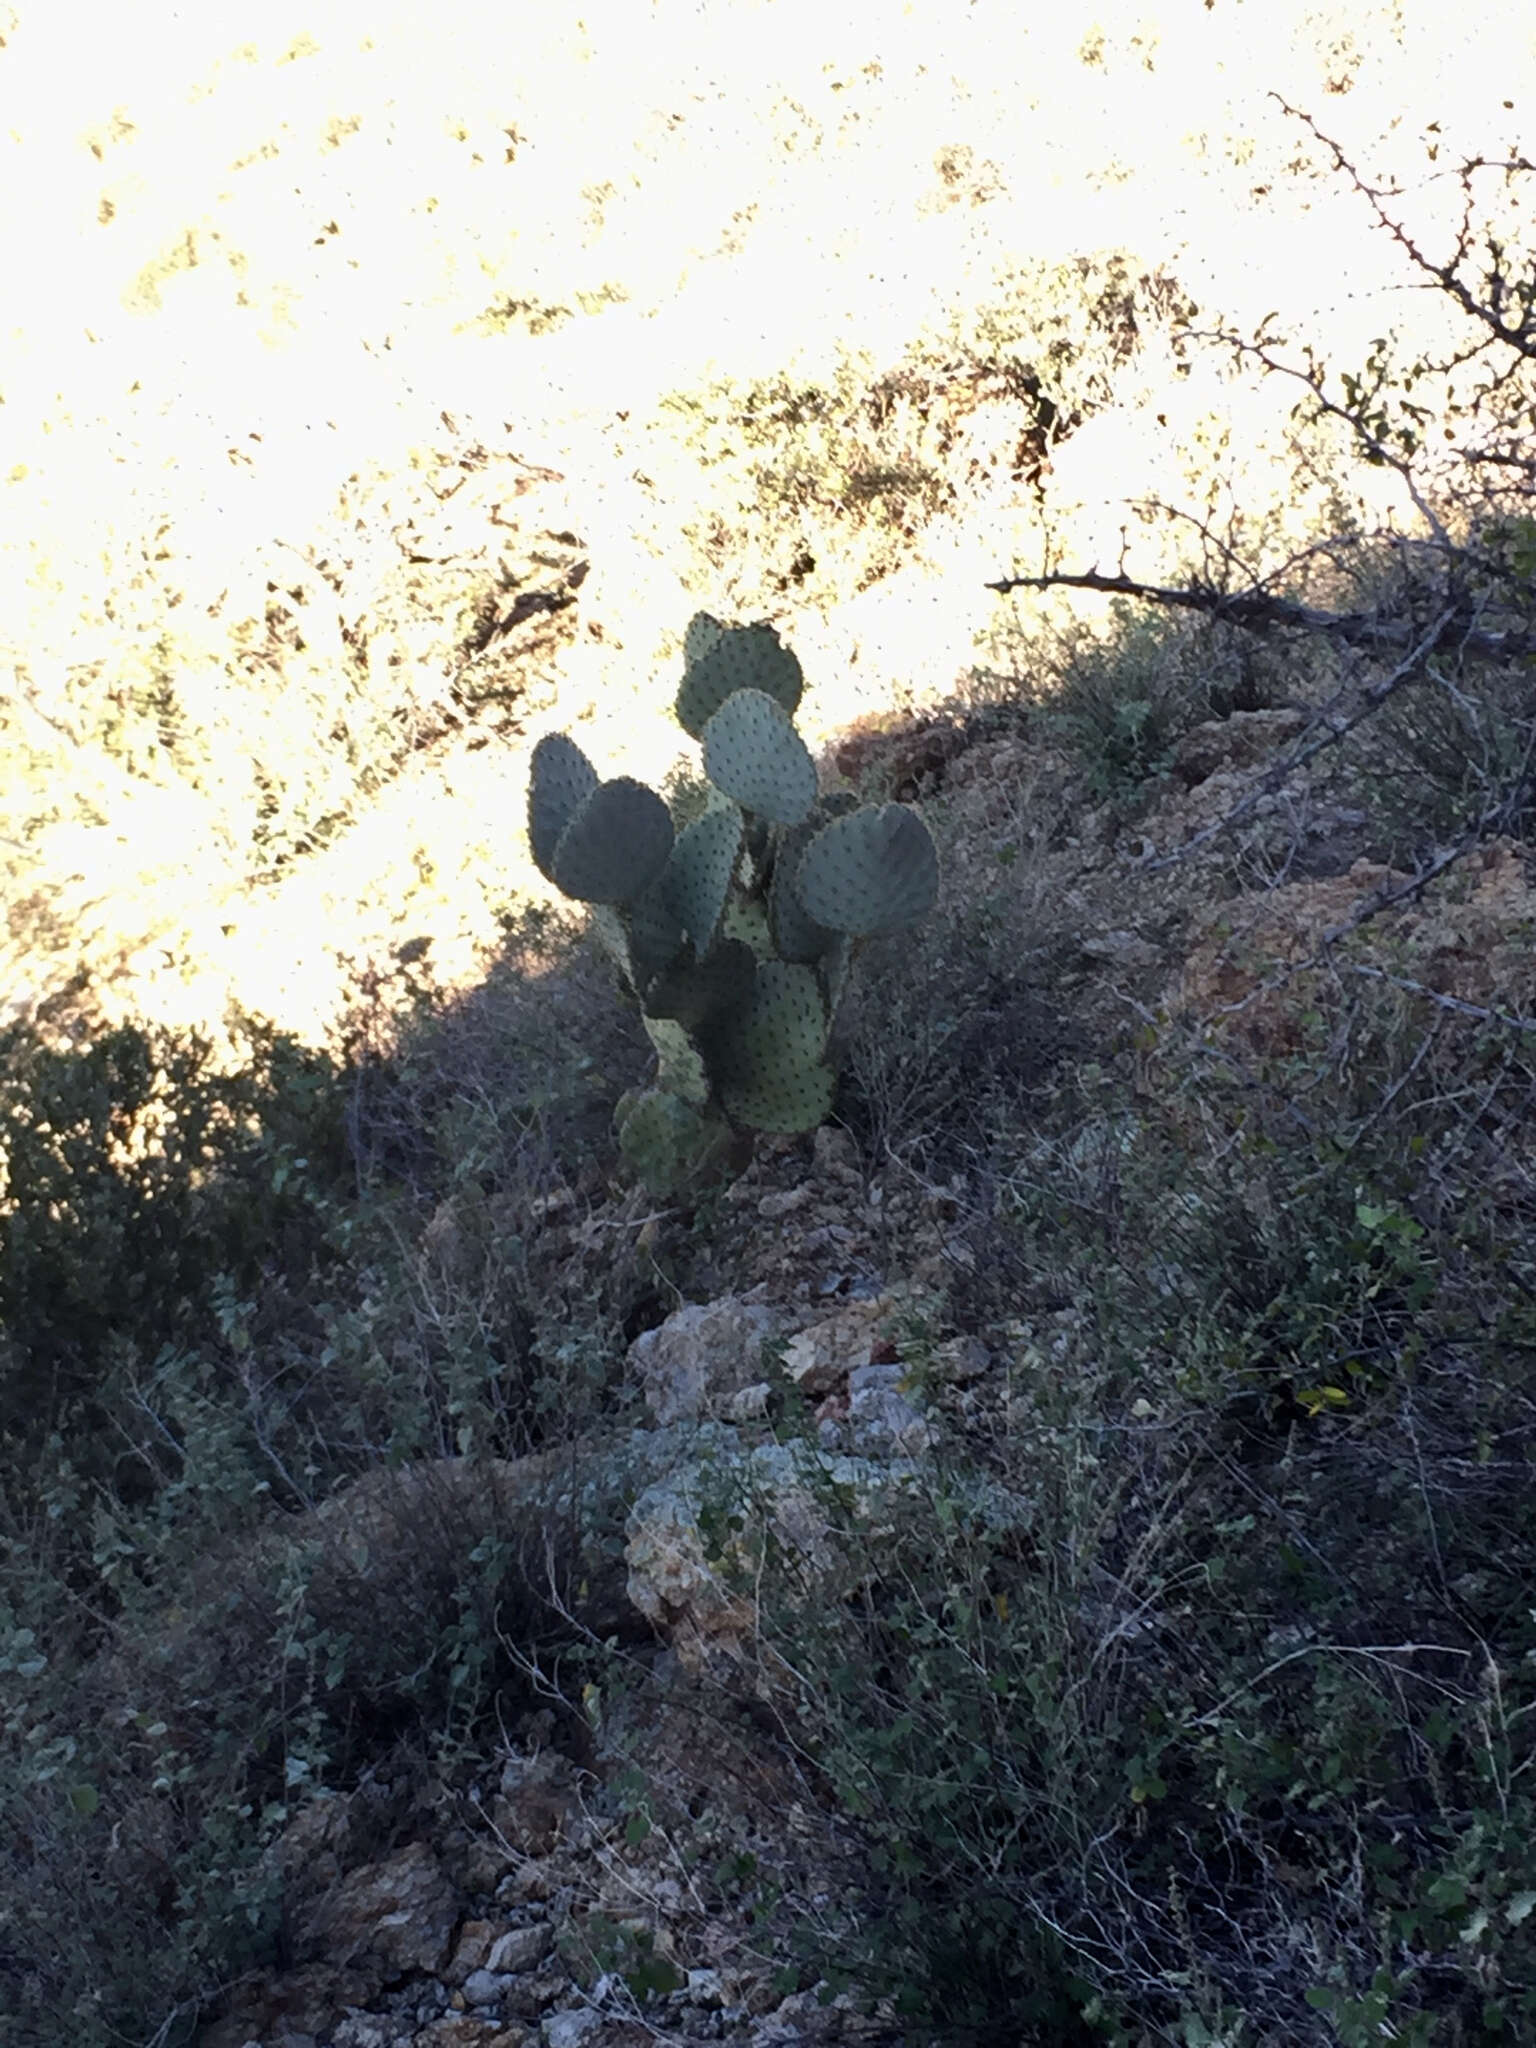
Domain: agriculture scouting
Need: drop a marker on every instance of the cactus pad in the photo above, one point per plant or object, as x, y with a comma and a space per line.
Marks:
741, 658
747, 920
796, 935
768, 1058
560, 780
615, 845
753, 753
664, 1138
869, 872
653, 932
701, 870
679, 1064
702, 634
691, 990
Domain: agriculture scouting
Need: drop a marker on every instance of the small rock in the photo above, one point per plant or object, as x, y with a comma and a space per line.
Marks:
461, 2030
531, 1880
834, 1152
537, 1801
1238, 742
570, 2029
521, 1948
526, 1996
470, 1951
818, 1358
747, 1403
881, 1416
484, 1987
1121, 949
705, 1988
364, 2030
961, 1359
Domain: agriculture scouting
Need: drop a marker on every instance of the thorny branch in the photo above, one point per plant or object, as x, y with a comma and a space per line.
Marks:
1518, 334
1261, 611
1458, 624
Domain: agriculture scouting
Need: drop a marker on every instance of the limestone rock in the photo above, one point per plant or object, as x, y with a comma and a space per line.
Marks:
835, 1154
535, 1806
961, 1359
484, 1987
820, 1358
571, 2029
701, 1356
881, 1417
693, 1536
1121, 949
1238, 742
470, 1952
468, 2030
397, 1916
368, 2030
303, 2001
521, 1948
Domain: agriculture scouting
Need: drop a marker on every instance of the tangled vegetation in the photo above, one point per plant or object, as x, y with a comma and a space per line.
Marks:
1226, 1120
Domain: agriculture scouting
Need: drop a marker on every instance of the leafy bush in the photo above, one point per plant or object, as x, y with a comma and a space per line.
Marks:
139, 1179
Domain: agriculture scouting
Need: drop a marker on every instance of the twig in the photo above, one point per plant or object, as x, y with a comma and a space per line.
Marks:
1334, 729
1323, 1649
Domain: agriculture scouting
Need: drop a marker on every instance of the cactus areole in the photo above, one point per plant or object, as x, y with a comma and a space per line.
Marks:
736, 935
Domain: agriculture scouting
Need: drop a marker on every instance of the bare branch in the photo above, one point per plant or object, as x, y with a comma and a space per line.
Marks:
1351, 416
1261, 611
1519, 334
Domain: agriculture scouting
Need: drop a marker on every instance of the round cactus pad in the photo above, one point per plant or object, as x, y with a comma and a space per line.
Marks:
769, 1057
560, 780
753, 753
873, 871
741, 658
663, 1137
748, 921
616, 845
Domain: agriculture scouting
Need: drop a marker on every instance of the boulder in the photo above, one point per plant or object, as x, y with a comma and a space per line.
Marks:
391, 1918
701, 1357
696, 1540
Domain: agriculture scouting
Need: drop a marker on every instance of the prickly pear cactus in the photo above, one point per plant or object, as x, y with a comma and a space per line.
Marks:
736, 935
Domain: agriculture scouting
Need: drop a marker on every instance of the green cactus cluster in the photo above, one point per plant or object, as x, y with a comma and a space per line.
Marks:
736, 935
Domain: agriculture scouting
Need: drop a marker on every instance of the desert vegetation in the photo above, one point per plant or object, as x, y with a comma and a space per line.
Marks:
1181, 1687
